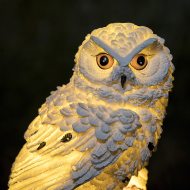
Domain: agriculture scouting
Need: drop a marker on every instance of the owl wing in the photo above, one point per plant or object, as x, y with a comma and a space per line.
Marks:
67, 147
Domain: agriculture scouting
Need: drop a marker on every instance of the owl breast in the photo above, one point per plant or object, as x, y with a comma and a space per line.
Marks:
116, 137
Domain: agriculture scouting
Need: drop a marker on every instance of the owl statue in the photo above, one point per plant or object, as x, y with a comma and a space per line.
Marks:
99, 131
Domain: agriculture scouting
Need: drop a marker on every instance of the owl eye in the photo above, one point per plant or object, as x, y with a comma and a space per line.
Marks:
104, 61
139, 62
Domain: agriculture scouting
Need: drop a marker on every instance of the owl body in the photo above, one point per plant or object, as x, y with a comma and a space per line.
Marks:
100, 129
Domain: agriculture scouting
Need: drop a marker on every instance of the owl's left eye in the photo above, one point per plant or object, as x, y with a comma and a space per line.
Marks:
139, 62
104, 60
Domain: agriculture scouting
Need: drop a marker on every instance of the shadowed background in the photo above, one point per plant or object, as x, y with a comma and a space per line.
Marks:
38, 41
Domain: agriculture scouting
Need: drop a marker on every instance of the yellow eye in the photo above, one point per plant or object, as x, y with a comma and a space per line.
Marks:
139, 62
104, 60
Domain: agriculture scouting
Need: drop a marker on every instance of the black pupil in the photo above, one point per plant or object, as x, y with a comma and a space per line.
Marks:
141, 60
104, 60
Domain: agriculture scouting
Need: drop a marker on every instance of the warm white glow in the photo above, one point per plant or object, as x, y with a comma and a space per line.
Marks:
139, 181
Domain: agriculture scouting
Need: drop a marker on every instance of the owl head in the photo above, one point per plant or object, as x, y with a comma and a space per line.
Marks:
124, 59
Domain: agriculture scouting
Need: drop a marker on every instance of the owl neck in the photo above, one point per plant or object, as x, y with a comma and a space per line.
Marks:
135, 99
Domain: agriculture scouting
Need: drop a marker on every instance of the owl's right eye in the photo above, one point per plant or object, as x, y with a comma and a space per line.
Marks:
104, 60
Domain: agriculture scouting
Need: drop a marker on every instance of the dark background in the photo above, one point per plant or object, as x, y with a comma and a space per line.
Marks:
38, 41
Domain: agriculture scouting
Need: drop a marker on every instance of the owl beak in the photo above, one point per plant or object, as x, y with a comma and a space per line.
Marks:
123, 80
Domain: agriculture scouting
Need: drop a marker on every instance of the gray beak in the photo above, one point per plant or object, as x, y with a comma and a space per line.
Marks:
123, 80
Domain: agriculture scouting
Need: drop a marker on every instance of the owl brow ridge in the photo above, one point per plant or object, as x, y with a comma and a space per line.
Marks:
124, 61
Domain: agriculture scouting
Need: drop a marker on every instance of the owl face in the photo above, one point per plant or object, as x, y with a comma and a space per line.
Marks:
120, 55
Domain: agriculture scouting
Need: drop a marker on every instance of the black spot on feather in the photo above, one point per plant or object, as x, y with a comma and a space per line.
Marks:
150, 146
41, 145
66, 138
